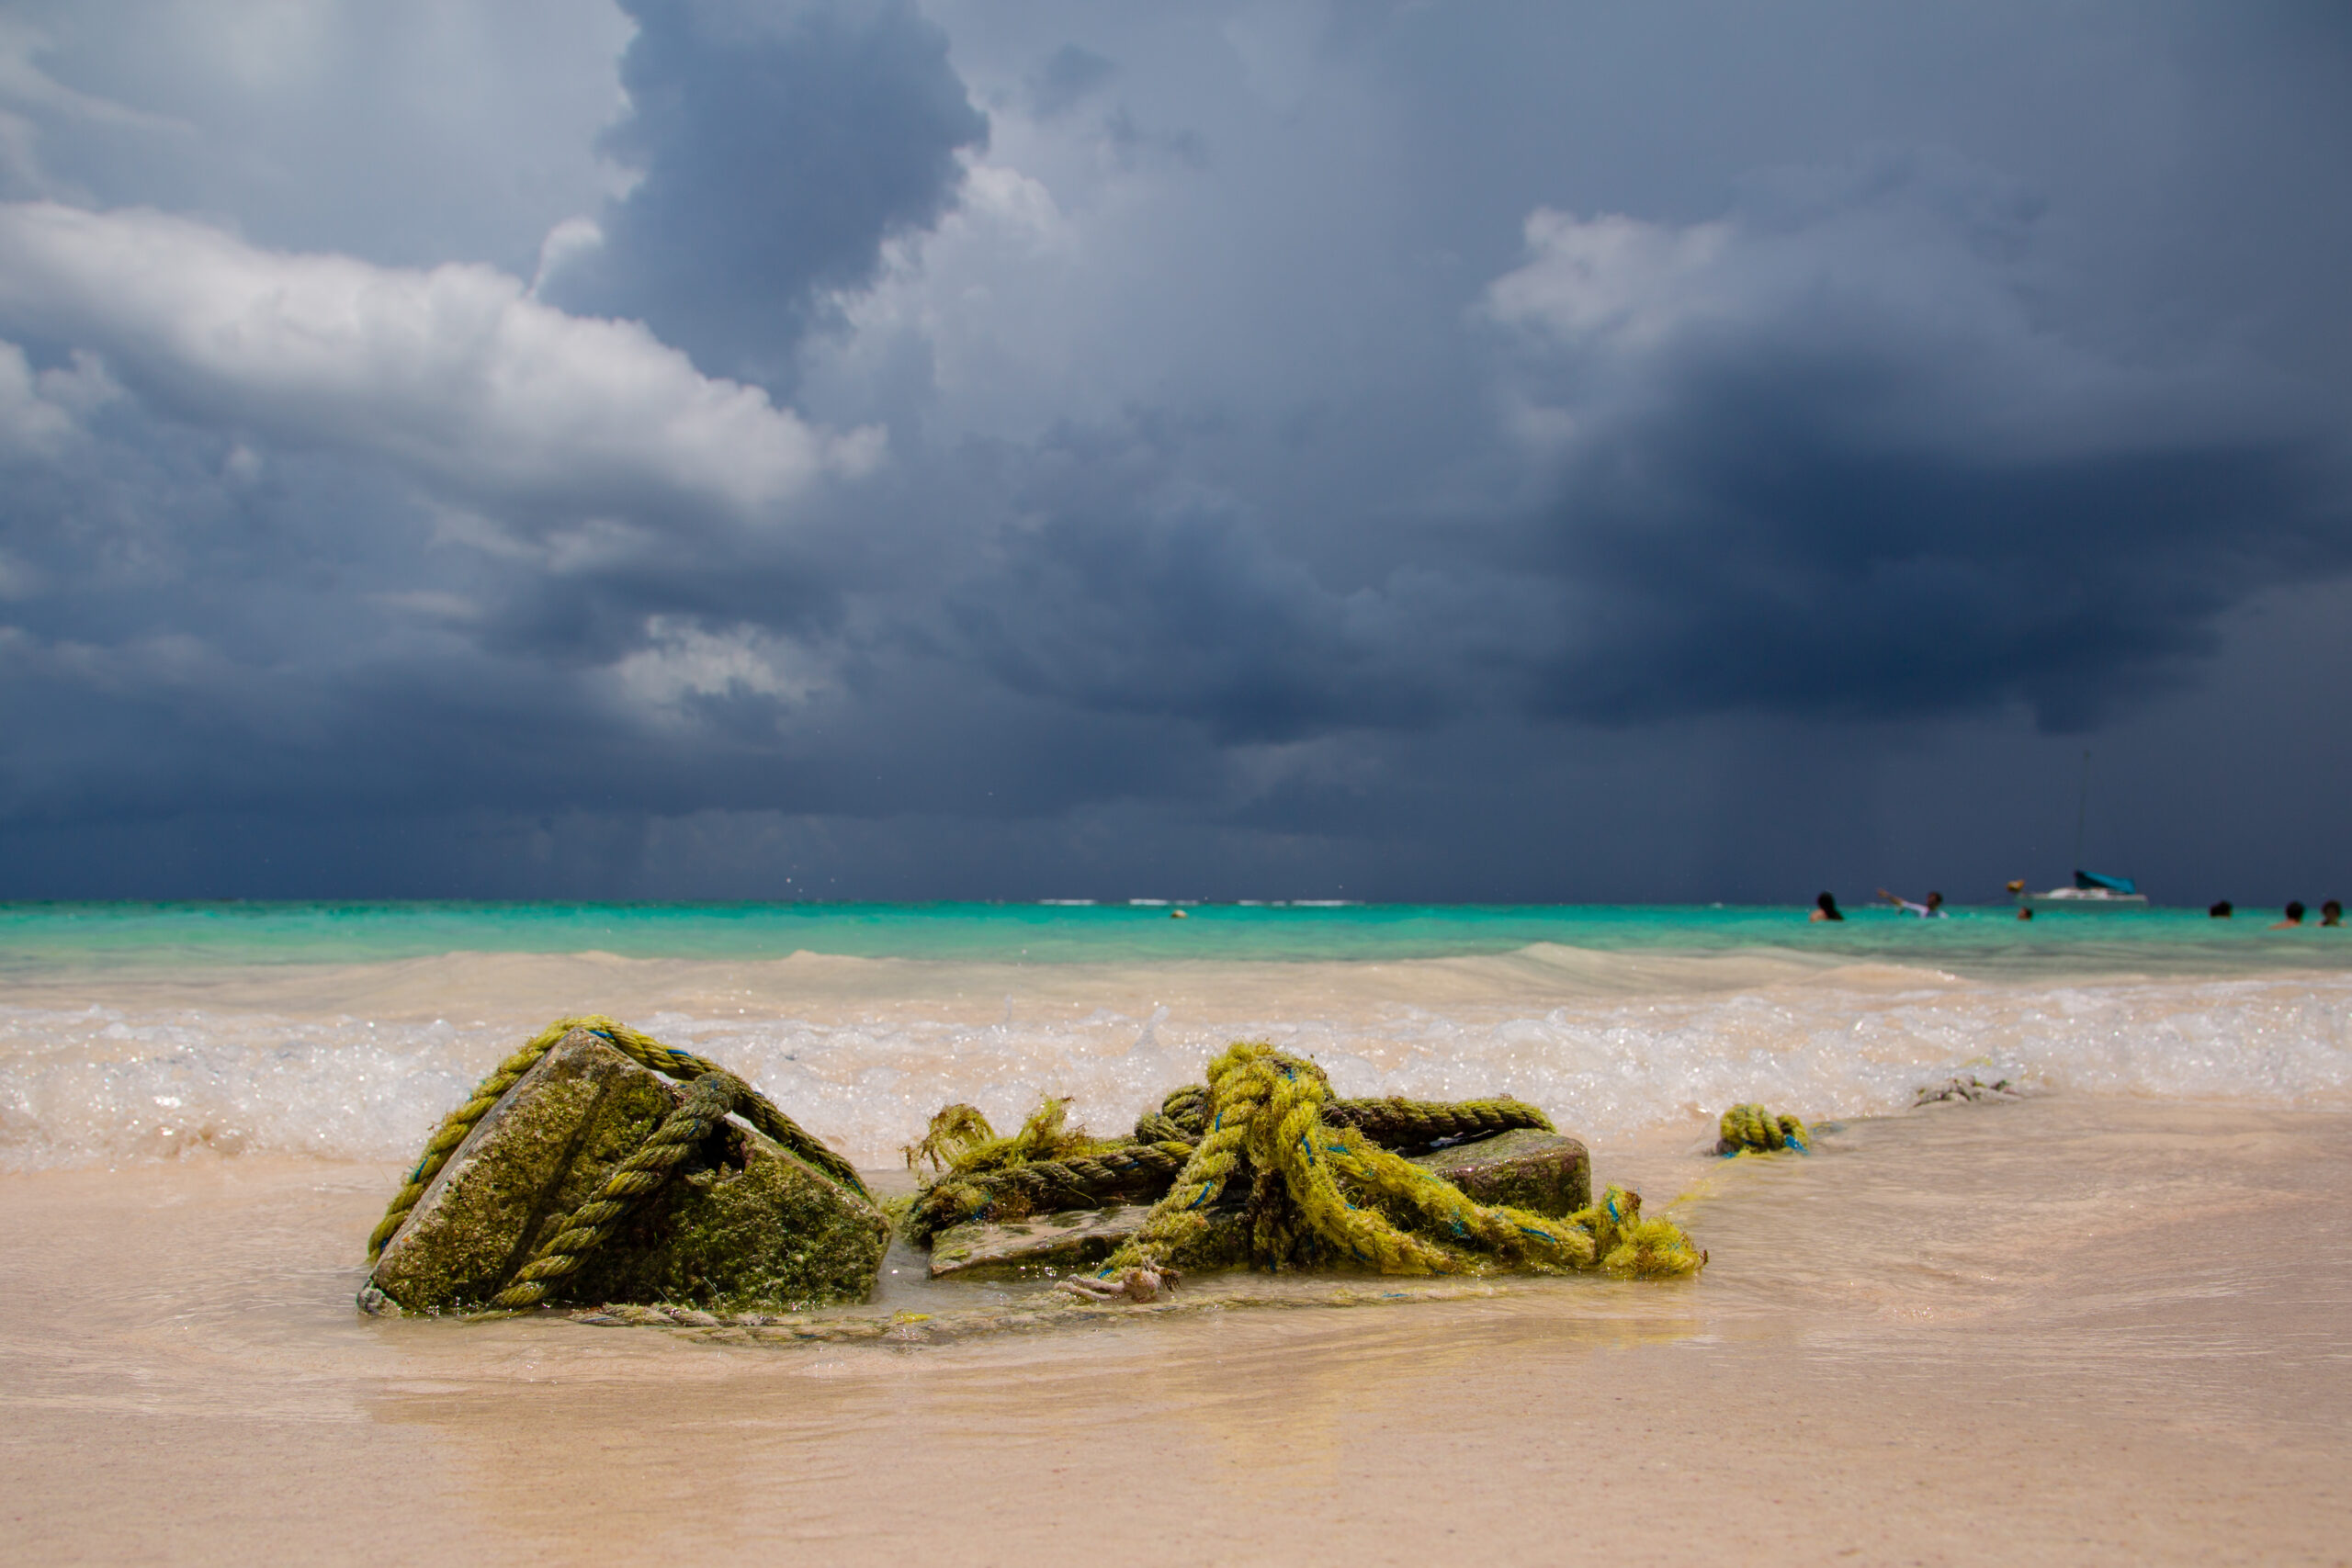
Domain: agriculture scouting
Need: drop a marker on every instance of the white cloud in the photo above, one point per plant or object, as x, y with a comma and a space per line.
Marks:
1916, 272
1608, 276
456, 372
29, 423
682, 659
998, 301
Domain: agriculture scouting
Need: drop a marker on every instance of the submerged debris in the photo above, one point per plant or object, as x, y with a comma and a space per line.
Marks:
1968, 1089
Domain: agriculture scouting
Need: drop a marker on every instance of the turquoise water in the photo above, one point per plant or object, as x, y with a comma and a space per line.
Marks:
48, 937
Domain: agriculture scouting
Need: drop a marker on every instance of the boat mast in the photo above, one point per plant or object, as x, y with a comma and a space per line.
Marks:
2082, 808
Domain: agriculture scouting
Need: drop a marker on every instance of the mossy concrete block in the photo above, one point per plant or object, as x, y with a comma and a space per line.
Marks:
740, 1225
1547, 1173
1040, 1244
1527, 1169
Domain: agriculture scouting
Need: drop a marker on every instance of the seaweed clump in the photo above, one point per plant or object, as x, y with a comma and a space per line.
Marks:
1049, 1164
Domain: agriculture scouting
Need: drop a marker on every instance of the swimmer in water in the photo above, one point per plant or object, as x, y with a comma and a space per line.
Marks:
2294, 916
1933, 910
2332, 912
1825, 907
2222, 911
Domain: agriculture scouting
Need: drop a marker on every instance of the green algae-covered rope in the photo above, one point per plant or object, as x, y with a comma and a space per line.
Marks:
1411, 1123
1265, 1112
1393, 1123
640, 1048
1751, 1129
1087, 1180
706, 1104
1127, 1171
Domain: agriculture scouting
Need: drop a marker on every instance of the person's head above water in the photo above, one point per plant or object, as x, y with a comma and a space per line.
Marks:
2222, 911
2332, 912
1935, 900
1827, 904
2294, 915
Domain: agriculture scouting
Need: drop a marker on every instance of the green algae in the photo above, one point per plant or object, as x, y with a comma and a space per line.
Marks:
1547, 1173
741, 1224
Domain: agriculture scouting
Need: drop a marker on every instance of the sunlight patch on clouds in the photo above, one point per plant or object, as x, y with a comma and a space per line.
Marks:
1608, 276
683, 660
994, 298
456, 372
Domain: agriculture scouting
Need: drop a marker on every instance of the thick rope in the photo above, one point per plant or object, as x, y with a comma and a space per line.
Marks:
640, 1048
569, 1244
1417, 1123
1122, 1171
1393, 1123
1265, 1118
1751, 1129
1109, 1174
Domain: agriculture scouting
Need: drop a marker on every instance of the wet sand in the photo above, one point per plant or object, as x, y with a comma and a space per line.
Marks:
2069, 1330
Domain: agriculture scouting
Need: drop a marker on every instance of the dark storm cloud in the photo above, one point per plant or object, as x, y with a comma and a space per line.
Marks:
777, 147
1822, 457
1845, 463
1492, 425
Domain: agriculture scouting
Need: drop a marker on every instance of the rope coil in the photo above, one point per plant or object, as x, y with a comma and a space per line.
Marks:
1042, 1168
1751, 1129
1308, 1173
1266, 1119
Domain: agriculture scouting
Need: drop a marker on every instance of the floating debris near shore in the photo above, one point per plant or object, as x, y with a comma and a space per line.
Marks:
1955, 1090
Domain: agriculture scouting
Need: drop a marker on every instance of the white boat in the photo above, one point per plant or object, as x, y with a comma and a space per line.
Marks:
2091, 892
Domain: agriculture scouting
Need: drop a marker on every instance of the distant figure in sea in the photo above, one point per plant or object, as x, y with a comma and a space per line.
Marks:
2222, 911
2025, 911
2332, 912
1933, 910
1825, 907
2294, 916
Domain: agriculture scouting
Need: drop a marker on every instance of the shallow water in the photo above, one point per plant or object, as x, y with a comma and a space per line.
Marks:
2068, 1329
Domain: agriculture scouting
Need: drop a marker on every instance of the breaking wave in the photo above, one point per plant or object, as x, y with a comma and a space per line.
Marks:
863, 1051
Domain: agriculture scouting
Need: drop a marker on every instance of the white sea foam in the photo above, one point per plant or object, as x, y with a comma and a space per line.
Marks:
152, 1080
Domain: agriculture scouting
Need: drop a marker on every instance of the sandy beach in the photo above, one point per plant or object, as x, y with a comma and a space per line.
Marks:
1325, 633
2068, 1329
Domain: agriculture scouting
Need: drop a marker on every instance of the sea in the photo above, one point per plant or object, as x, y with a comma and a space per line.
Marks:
143, 1032
2098, 1319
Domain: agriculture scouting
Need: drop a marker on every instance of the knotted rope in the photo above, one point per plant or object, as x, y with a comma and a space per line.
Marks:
1266, 1122
1043, 1168
1751, 1129
640, 1048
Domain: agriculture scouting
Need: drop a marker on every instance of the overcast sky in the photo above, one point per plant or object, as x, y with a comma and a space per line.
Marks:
994, 448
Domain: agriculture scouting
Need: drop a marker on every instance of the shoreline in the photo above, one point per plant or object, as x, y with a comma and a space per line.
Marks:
360, 1062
